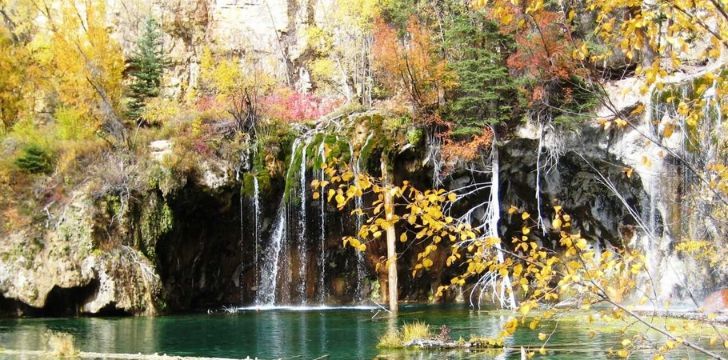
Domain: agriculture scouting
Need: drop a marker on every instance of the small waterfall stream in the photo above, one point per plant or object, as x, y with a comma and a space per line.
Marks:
302, 249
322, 256
670, 168
284, 263
271, 261
256, 214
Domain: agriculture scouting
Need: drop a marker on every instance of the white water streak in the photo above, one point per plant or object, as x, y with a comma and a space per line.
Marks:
269, 275
256, 209
302, 230
322, 256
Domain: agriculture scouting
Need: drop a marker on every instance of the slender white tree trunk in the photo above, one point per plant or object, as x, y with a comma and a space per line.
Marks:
391, 236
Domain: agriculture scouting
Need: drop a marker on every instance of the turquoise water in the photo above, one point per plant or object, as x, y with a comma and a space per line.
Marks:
340, 334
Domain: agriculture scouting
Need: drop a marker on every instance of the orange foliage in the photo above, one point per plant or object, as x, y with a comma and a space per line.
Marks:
544, 52
410, 64
466, 150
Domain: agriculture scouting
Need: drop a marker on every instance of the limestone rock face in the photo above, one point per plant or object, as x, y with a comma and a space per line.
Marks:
272, 31
63, 260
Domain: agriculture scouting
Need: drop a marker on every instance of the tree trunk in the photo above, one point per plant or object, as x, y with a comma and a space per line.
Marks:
391, 236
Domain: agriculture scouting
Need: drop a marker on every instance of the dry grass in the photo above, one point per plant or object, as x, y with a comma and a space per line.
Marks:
414, 331
394, 339
390, 340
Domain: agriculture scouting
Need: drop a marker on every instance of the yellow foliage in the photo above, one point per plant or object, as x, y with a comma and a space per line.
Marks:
160, 110
88, 63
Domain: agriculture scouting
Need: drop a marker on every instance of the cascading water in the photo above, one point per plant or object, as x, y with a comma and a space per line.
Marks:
286, 274
244, 165
269, 275
669, 153
322, 255
302, 249
241, 286
256, 213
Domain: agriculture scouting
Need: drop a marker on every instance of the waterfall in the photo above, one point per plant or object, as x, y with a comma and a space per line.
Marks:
302, 230
322, 255
670, 166
244, 165
269, 274
256, 213
241, 286
277, 284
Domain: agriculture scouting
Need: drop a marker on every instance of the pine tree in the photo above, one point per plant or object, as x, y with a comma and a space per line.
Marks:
486, 94
147, 66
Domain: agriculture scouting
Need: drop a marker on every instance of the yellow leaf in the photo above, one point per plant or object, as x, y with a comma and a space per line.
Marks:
525, 215
542, 336
525, 308
512, 210
403, 237
316, 195
452, 197
621, 123
411, 219
556, 224
626, 342
427, 263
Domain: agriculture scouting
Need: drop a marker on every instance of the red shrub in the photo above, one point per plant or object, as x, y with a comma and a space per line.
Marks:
293, 106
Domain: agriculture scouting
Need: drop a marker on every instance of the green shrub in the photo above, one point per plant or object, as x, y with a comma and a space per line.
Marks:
415, 136
35, 160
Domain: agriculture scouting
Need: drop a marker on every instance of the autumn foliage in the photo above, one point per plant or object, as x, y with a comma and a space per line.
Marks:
409, 64
543, 51
293, 106
467, 150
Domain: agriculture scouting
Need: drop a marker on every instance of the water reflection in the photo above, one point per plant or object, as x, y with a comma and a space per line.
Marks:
305, 335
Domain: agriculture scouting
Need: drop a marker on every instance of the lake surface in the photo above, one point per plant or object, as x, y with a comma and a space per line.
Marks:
288, 334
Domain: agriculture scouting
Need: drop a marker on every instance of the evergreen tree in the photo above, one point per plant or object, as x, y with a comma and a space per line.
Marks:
486, 94
147, 65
